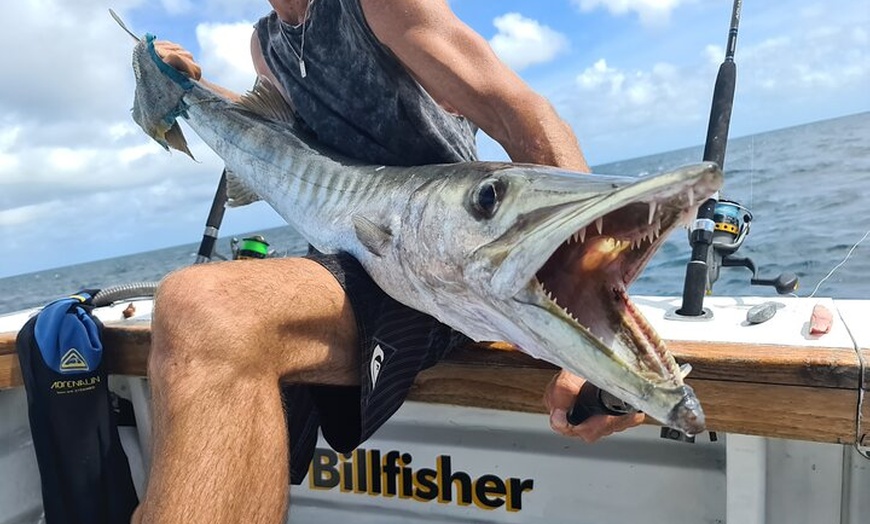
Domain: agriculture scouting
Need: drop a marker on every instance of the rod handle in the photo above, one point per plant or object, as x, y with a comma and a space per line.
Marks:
592, 401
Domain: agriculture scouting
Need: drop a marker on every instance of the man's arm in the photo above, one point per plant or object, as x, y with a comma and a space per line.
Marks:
182, 60
457, 67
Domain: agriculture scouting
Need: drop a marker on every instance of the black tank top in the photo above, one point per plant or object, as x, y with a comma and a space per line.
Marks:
356, 96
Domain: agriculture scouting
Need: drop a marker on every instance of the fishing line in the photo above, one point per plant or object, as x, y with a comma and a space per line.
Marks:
862, 365
838, 266
752, 172
859, 417
859, 413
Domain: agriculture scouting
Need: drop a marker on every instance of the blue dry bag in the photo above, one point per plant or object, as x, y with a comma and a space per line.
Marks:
84, 471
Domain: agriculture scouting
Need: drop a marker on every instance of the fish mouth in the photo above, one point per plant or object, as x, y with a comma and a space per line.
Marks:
584, 283
588, 276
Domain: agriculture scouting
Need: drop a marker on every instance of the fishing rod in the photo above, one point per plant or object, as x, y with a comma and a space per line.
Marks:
721, 226
213, 222
697, 281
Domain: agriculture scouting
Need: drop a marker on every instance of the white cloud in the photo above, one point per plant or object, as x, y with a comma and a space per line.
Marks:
72, 162
8, 138
650, 12
226, 54
812, 65
237, 8
824, 57
618, 112
28, 214
63, 63
71, 94
177, 7
522, 42
662, 93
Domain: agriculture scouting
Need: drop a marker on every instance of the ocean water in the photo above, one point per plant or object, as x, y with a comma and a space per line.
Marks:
807, 186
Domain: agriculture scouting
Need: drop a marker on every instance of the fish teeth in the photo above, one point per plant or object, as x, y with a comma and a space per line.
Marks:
685, 369
599, 224
579, 236
652, 211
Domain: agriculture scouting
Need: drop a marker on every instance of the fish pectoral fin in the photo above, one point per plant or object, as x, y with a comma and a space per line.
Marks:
175, 139
374, 237
239, 194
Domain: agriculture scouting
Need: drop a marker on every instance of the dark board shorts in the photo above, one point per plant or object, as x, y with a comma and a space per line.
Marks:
395, 344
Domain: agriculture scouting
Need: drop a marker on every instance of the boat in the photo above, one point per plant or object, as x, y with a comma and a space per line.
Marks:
785, 408
788, 439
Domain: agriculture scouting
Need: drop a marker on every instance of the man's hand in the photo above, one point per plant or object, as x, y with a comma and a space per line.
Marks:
179, 58
559, 398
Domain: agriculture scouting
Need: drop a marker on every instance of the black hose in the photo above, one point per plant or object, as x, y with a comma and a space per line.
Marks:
113, 294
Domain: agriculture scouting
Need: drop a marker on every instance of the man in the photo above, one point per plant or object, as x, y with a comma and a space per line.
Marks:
236, 343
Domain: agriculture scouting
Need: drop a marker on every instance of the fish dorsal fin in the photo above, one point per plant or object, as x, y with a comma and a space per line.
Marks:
266, 100
238, 193
374, 237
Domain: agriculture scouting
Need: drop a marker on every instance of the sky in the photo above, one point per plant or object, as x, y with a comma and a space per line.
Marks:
79, 181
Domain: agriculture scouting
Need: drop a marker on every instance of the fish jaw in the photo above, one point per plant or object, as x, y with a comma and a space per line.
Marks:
549, 273
620, 352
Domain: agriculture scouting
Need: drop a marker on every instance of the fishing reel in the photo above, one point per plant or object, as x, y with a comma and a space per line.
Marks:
250, 247
732, 222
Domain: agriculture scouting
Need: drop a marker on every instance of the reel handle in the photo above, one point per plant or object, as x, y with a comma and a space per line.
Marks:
785, 283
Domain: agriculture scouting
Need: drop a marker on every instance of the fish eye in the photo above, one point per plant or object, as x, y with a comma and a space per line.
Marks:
486, 197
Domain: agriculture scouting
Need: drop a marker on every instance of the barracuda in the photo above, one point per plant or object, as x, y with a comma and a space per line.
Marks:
536, 256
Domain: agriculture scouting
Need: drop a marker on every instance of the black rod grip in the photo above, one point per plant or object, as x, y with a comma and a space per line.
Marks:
213, 222
720, 114
589, 403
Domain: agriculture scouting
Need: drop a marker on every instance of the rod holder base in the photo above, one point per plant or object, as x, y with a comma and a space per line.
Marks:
705, 316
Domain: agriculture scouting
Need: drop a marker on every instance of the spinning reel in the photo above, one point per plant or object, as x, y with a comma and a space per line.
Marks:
732, 222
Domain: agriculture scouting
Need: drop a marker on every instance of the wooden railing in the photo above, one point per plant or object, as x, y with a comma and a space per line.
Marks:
804, 393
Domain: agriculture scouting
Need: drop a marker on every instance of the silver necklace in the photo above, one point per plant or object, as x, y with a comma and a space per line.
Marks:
302, 71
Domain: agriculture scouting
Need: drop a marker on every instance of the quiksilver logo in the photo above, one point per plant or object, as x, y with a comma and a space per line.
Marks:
376, 363
72, 360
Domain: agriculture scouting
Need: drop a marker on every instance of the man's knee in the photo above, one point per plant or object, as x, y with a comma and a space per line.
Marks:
239, 317
194, 312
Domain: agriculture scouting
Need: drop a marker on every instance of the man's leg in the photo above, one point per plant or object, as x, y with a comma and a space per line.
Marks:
223, 336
